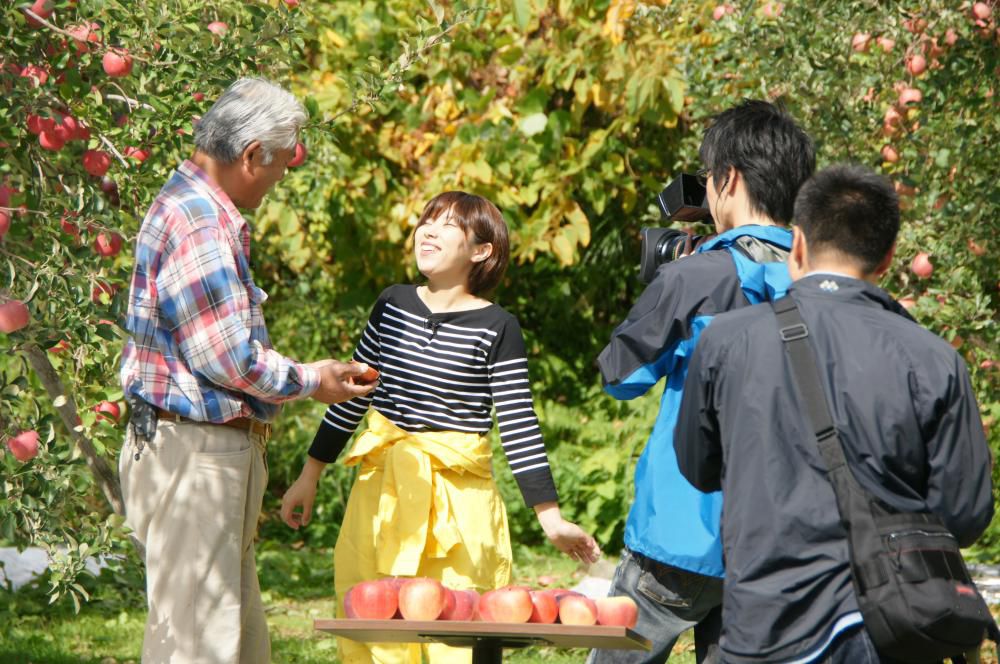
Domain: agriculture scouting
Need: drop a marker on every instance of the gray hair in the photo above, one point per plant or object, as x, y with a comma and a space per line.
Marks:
252, 109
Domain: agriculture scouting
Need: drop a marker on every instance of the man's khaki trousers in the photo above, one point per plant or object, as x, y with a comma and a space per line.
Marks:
193, 498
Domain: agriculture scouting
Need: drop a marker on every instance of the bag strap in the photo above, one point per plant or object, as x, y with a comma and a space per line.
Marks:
794, 333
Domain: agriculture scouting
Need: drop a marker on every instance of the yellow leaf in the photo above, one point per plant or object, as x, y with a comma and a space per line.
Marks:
563, 249
579, 223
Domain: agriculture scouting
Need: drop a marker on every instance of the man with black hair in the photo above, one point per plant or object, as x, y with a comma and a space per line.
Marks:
901, 402
755, 159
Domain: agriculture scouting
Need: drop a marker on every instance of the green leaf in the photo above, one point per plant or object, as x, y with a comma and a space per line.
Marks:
522, 13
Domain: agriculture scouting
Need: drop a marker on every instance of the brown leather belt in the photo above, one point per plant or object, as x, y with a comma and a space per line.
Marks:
242, 423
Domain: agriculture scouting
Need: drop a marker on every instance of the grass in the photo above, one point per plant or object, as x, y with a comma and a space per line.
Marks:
298, 588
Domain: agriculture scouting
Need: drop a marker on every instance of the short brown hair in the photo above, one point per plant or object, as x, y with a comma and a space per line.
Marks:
483, 218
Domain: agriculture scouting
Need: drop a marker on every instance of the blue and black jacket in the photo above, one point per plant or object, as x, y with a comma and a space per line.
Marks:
671, 521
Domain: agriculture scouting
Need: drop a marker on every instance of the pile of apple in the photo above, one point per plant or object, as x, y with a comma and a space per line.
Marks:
429, 599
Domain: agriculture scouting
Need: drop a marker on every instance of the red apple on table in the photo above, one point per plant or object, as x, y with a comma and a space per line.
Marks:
544, 607
459, 605
421, 599
507, 605
621, 611
921, 265
299, 157
372, 600
577, 610
108, 411
24, 446
117, 63
14, 316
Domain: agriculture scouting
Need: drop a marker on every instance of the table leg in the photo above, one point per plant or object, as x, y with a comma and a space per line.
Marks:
487, 651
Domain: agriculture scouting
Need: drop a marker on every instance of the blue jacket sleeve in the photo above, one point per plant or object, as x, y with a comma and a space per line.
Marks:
642, 348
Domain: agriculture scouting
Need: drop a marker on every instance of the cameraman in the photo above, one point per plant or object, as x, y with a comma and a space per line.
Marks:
755, 159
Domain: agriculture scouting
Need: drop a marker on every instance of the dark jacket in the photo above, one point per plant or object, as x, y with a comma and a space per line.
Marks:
904, 407
671, 521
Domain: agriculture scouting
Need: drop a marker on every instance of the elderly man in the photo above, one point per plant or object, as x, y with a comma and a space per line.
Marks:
205, 384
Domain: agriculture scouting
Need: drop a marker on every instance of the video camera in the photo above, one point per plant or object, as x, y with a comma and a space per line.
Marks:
681, 200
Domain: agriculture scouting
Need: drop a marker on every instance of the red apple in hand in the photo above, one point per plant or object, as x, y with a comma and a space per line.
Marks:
24, 446
300, 156
421, 599
617, 611
372, 600
921, 265
13, 316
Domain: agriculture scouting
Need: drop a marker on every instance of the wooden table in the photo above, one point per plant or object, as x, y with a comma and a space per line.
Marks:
487, 639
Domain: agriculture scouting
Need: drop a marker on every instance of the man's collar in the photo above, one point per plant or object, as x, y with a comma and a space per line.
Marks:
200, 178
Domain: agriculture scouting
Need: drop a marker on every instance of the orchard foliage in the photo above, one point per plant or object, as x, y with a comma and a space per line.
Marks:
570, 115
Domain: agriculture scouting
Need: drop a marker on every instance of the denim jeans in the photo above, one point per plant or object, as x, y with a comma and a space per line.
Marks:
671, 600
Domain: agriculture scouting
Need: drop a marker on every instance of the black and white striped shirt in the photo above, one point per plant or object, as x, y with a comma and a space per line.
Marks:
446, 372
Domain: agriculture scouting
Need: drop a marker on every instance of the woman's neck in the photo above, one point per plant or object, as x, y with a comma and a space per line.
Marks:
441, 299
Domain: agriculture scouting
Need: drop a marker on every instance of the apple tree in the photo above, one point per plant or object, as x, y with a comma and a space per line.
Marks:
97, 103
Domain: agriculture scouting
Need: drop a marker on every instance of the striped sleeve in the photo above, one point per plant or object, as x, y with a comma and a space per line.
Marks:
341, 419
520, 434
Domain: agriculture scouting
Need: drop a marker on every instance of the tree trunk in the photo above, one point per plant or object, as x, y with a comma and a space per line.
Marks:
106, 478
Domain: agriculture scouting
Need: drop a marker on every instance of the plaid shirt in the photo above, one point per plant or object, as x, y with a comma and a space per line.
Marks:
198, 344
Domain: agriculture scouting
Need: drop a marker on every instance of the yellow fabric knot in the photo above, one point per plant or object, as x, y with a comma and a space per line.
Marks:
415, 517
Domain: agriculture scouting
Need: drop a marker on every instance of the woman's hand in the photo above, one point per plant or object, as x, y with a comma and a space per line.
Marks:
302, 494
565, 535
